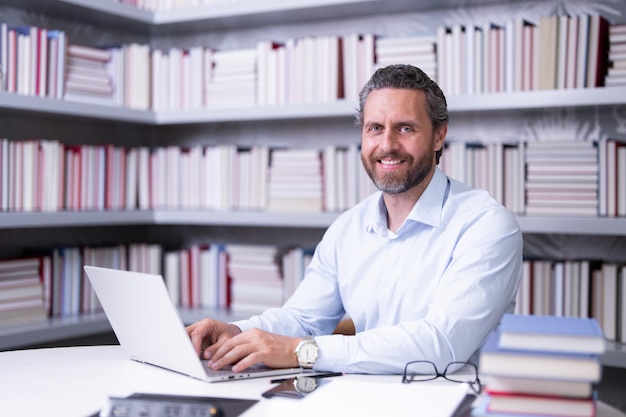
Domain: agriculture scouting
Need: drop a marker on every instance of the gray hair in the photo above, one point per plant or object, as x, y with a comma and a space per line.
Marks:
407, 77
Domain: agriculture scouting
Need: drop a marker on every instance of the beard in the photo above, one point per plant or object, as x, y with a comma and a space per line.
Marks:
396, 182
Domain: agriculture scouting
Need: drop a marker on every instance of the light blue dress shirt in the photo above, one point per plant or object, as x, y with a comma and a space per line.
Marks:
432, 291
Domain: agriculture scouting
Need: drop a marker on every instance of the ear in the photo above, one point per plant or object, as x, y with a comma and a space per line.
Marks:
440, 136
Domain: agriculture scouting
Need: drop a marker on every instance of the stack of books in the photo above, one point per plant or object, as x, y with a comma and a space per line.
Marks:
231, 81
295, 180
415, 50
616, 73
562, 178
541, 366
89, 79
21, 290
256, 277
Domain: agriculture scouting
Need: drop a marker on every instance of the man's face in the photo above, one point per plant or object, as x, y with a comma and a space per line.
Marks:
398, 143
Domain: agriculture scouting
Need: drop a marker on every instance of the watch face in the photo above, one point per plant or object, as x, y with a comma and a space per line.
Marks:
307, 353
305, 384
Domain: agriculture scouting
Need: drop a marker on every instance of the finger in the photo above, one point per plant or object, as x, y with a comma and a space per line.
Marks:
197, 335
246, 362
229, 352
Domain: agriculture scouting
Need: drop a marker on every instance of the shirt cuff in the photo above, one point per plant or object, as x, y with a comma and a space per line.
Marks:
332, 353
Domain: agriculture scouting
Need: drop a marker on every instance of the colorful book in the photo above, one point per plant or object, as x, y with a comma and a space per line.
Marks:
538, 404
552, 333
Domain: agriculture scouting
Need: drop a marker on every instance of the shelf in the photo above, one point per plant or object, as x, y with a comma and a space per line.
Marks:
541, 99
52, 330
222, 15
17, 220
20, 220
58, 329
511, 102
609, 226
606, 226
615, 355
30, 104
337, 109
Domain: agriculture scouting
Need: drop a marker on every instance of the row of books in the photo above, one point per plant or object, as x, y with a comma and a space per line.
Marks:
46, 175
541, 366
616, 73
53, 284
235, 277
573, 53
583, 178
32, 60
576, 288
557, 52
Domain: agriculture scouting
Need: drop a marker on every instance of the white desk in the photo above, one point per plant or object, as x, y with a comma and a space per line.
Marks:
77, 381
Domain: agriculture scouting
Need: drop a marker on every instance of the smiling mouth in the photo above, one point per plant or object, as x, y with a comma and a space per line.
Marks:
390, 162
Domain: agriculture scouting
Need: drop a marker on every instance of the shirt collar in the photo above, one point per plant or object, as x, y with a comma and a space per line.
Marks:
426, 210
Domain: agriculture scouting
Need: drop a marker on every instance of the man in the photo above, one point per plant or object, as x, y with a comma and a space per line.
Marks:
425, 268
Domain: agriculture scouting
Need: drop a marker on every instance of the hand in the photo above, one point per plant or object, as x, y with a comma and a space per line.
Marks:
207, 332
253, 346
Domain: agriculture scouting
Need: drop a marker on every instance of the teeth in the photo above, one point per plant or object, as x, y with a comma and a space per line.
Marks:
387, 162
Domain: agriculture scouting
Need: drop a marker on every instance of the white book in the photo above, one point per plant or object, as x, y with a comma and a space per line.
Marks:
621, 179
172, 280
366, 59
611, 178
352, 169
511, 56
528, 33
442, 58
457, 58
478, 59
209, 271
263, 51
571, 67
4, 53
470, 58
558, 294
330, 178
583, 50
609, 300
562, 48
157, 62
523, 299
621, 297
341, 179
42, 63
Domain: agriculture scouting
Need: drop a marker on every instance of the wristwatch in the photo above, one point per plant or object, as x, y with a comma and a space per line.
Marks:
307, 352
305, 384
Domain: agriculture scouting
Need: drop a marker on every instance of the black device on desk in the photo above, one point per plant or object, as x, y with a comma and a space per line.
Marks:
297, 386
159, 405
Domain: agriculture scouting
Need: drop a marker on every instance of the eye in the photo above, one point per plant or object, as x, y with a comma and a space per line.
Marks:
406, 129
375, 128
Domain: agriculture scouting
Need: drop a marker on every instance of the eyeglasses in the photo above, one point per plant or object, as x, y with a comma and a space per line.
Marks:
418, 371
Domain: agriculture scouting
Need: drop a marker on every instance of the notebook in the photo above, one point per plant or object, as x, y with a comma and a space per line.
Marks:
150, 330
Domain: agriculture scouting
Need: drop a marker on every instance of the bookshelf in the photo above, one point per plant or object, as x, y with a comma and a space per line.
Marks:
615, 226
248, 16
596, 98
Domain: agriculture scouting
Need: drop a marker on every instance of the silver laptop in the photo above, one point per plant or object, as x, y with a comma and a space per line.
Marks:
149, 328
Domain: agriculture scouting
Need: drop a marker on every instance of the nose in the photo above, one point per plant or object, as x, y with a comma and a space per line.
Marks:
389, 140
